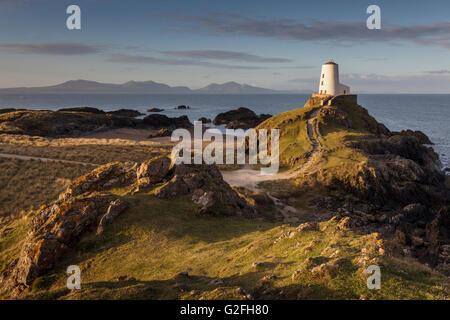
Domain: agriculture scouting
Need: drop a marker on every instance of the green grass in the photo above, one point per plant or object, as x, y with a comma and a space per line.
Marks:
12, 236
156, 238
294, 141
27, 184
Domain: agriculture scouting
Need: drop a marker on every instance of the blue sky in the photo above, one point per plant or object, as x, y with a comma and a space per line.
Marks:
273, 44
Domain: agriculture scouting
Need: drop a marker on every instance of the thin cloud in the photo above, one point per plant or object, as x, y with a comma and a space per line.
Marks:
339, 33
360, 82
62, 49
124, 58
298, 67
224, 55
303, 80
443, 71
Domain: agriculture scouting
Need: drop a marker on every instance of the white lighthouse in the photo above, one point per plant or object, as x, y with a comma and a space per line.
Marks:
329, 80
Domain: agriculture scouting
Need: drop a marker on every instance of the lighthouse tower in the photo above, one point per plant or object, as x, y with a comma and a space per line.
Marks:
329, 80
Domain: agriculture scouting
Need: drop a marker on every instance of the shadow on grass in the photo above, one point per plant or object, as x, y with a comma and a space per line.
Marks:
176, 218
192, 287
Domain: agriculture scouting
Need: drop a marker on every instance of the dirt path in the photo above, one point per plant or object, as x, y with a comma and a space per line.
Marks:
21, 157
249, 178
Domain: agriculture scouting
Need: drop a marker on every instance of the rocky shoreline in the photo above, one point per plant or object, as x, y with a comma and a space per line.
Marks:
397, 188
85, 120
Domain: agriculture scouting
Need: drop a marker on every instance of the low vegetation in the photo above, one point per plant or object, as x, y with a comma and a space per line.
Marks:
141, 255
96, 151
159, 248
27, 184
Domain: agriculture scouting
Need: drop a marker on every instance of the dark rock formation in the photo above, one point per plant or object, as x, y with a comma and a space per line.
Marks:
400, 171
7, 110
182, 107
161, 133
120, 113
53, 231
111, 175
87, 206
155, 110
60, 123
242, 118
159, 121
126, 113
56, 228
438, 235
385, 182
153, 171
208, 189
204, 120
115, 208
82, 109
419, 135
336, 115
77, 121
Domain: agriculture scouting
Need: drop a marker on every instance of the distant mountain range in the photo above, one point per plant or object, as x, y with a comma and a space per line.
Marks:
137, 87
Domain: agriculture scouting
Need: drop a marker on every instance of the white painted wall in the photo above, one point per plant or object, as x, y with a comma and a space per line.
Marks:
329, 81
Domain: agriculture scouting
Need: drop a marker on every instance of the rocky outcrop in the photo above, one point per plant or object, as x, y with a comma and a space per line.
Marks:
87, 206
77, 121
7, 110
342, 113
204, 120
111, 175
315, 100
126, 113
159, 121
115, 208
54, 230
155, 110
82, 109
438, 235
404, 146
399, 170
241, 118
161, 133
387, 180
207, 188
337, 116
84, 207
120, 113
153, 171
383, 181
419, 135
60, 123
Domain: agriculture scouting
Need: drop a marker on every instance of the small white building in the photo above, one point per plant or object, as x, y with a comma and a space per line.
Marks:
329, 80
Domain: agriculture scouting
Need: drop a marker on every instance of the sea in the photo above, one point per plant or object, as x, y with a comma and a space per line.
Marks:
429, 113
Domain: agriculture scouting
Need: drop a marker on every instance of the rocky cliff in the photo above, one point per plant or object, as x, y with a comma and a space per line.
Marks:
368, 173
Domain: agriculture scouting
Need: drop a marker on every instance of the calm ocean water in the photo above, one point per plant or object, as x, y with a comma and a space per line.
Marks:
428, 113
